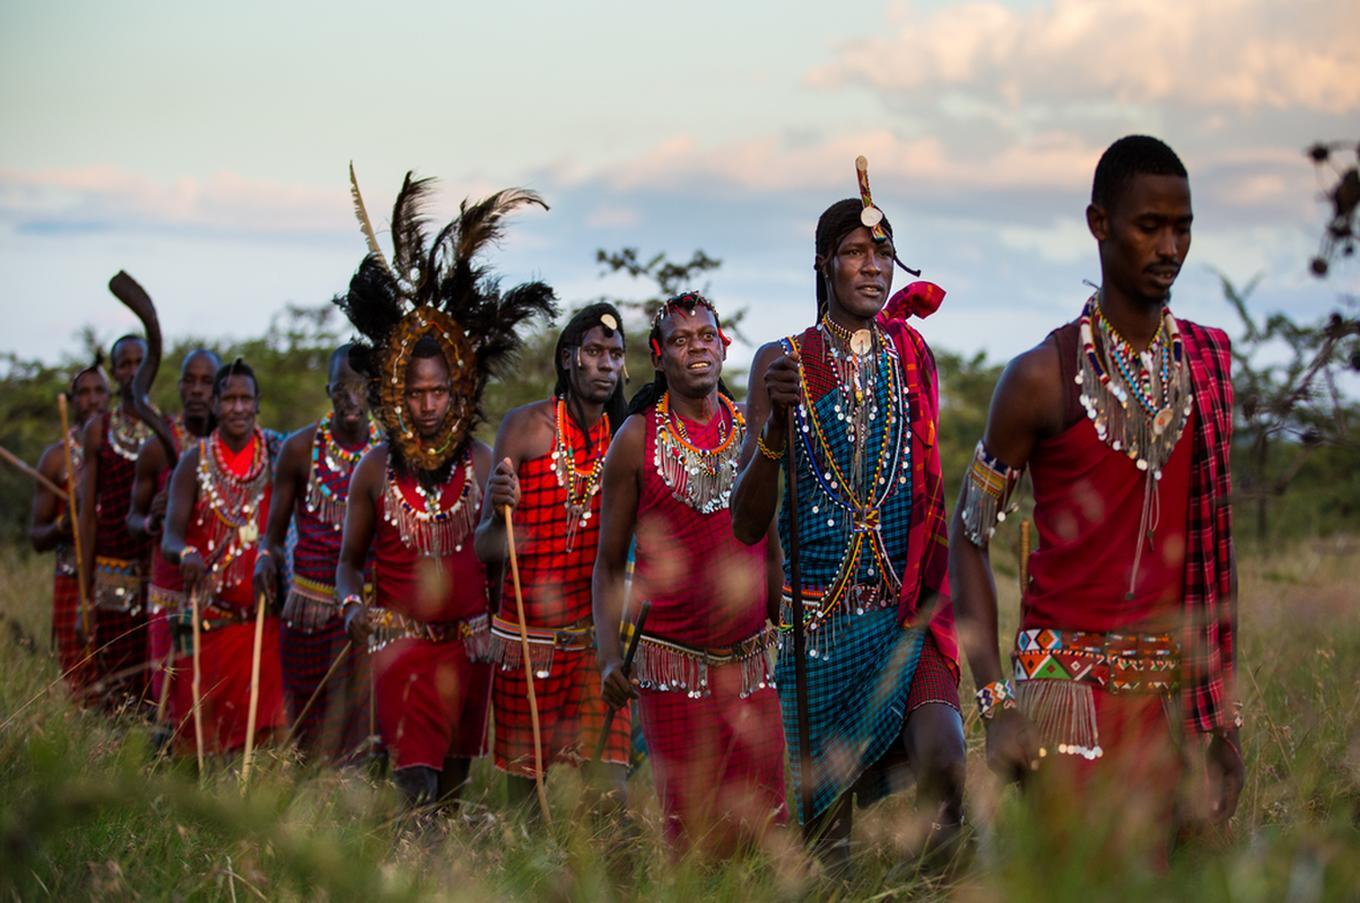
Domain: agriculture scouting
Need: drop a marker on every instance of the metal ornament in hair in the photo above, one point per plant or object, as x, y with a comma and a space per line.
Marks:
870, 216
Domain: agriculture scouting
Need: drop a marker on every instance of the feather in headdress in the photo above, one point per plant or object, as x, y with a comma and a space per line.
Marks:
365, 224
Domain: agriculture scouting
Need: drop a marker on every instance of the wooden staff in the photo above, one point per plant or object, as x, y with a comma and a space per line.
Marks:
800, 678
643, 607
316, 694
253, 712
86, 622
195, 684
1024, 557
33, 473
528, 667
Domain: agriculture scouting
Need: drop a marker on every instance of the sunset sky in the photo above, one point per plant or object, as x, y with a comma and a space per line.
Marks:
204, 150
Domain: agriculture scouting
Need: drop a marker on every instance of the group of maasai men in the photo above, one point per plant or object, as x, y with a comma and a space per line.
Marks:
658, 558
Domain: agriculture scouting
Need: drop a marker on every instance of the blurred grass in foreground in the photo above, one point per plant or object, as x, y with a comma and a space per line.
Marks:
85, 814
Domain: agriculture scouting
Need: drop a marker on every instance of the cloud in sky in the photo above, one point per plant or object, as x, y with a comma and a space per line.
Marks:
982, 123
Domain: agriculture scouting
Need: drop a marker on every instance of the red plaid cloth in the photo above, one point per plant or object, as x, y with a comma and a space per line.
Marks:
121, 662
716, 757
926, 579
707, 589
158, 649
570, 715
936, 679
431, 702
225, 661
113, 496
1210, 608
338, 720
71, 652
555, 581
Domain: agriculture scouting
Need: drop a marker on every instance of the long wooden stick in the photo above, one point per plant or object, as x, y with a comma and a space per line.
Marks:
196, 684
86, 621
643, 607
800, 679
528, 667
33, 473
253, 712
316, 694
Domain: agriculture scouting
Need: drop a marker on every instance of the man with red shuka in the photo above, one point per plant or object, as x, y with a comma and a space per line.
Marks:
551, 456
219, 503
114, 561
1124, 418
311, 486
50, 527
703, 674
437, 326
150, 496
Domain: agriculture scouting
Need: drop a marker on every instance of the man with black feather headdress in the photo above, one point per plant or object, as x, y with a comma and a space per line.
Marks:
437, 326
551, 455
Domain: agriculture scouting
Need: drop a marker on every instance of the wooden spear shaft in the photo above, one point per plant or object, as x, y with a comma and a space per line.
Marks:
33, 473
643, 607
252, 714
86, 622
195, 684
528, 667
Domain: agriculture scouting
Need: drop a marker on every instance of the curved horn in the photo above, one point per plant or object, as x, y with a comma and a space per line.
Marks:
127, 290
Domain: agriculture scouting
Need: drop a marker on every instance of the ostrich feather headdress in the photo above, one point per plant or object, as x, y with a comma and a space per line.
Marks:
437, 290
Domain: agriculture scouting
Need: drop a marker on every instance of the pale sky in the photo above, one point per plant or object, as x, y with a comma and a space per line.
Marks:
204, 150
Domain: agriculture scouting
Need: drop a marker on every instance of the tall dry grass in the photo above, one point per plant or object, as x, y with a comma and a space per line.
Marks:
86, 811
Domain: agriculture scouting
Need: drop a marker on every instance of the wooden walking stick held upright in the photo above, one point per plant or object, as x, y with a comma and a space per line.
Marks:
528, 666
799, 640
196, 683
253, 712
87, 628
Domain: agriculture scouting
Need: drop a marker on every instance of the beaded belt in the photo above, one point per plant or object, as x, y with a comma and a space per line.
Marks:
118, 584
1057, 670
159, 599
854, 599
668, 666
212, 616
1115, 662
388, 626
543, 642
311, 605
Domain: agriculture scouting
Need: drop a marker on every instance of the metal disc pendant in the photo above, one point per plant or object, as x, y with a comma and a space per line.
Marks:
1162, 420
870, 217
861, 342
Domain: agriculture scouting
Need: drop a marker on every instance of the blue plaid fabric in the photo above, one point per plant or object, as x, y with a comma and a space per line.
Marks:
825, 530
857, 702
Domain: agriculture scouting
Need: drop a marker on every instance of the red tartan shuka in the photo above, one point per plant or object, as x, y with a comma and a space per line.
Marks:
927, 573
556, 559
1207, 650
72, 654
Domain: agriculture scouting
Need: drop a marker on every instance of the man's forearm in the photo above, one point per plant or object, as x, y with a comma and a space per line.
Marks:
974, 597
608, 611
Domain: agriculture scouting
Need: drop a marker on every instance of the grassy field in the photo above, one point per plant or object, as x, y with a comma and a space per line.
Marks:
85, 812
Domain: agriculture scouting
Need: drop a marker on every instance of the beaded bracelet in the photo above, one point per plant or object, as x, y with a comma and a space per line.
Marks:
767, 451
998, 693
187, 551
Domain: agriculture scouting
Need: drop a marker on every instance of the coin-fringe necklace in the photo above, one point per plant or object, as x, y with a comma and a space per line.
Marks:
327, 504
126, 433
1138, 403
581, 481
429, 528
234, 503
702, 478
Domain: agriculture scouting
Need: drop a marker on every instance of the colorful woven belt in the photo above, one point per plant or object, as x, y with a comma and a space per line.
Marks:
159, 599
572, 638
1115, 662
118, 584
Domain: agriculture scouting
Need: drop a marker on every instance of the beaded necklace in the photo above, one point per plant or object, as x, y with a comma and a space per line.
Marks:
858, 503
233, 502
1138, 403
432, 530
126, 433
700, 477
581, 481
323, 500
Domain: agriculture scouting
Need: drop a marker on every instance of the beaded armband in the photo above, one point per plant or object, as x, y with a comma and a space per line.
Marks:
987, 495
767, 451
997, 694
